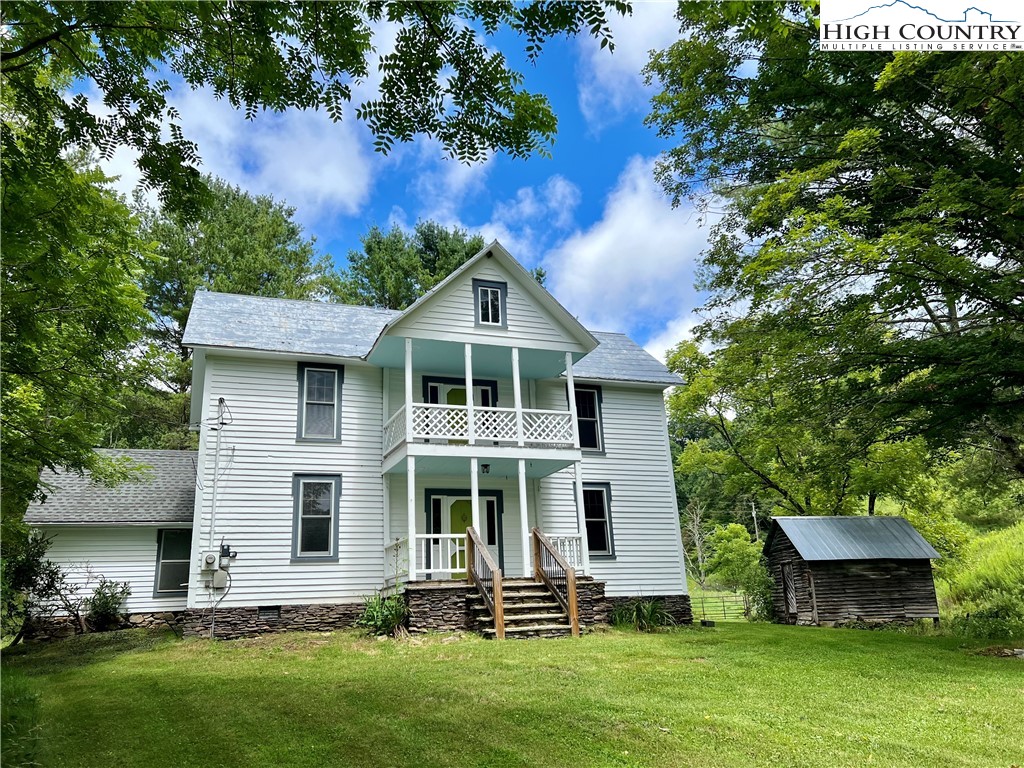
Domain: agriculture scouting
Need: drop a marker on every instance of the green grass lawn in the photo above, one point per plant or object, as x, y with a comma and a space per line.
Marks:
735, 695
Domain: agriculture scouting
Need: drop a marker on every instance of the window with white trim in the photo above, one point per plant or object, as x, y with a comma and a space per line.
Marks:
173, 556
597, 514
588, 418
317, 501
490, 297
320, 401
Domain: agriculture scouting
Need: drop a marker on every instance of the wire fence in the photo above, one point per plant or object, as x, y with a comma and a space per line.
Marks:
721, 607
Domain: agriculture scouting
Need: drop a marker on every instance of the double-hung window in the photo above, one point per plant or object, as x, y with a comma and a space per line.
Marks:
490, 299
317, 502
173, 553
320, 401
597, 514
588, 417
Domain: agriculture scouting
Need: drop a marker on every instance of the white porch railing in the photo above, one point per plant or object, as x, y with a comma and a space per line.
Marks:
570, 548
396, 562
432, 421
442, 555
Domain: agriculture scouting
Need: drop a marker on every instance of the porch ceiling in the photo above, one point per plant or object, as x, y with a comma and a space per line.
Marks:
449, 358
501, 468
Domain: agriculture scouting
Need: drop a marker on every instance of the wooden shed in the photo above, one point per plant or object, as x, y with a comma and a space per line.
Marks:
837, 569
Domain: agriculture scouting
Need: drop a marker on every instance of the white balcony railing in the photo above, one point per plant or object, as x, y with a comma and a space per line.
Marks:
570, 548
431, 421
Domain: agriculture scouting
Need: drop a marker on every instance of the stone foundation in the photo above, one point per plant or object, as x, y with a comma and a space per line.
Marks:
233, 623
594, 608
438, 606
678, 606
41, 629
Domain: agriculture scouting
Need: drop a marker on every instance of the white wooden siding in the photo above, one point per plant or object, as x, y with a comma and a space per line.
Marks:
451, 315
637, 465
126, 553
259, 457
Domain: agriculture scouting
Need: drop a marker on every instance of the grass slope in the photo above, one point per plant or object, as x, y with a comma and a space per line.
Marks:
736, 695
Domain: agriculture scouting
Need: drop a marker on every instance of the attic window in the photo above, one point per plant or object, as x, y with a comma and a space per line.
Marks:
490, 300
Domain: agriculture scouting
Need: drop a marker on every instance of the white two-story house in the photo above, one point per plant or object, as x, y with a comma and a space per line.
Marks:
346, 450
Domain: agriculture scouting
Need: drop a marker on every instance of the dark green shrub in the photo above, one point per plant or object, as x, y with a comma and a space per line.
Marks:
383, 615
104, 607
642, 615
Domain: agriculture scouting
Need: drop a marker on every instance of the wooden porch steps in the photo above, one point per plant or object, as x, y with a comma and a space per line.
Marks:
530, 611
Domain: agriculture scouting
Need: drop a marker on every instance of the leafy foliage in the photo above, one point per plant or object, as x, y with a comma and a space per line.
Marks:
442, 78
22, 567
643, 615
383, 615
987, 596
105, 606
873, 229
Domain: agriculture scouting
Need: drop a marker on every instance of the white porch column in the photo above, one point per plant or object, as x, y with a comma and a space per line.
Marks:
387, 509
470, 424
474, 492
581, 520
408, 390
570, 395
410, 482
517, 397
525, 520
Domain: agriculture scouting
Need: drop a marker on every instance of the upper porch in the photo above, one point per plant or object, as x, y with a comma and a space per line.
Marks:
453, 398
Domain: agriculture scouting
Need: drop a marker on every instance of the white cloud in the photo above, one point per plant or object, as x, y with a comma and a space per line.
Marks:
634, 269
610, 84
679, 329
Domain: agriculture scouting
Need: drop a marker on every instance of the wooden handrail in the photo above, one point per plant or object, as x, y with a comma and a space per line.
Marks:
483, 572
543, 552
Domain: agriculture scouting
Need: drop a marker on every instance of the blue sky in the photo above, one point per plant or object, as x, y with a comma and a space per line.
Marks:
617, 255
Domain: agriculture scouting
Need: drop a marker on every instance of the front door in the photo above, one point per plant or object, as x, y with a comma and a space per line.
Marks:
452, 512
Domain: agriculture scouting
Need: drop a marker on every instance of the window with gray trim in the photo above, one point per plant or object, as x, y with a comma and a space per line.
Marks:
320, 401
315, 529
173, 557
588, 417
597, 514
490, 298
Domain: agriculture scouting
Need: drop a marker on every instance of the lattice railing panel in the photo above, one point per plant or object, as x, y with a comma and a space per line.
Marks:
495, 423
440, 421
548, 427
394, 430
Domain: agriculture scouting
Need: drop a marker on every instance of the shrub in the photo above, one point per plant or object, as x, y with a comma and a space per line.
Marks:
642, 615
104, 607
383, 615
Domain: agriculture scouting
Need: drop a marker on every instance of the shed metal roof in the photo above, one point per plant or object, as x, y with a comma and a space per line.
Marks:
343, 330
165, 493
853, 538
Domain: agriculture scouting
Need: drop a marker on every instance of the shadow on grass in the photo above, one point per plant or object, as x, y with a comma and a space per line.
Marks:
36, 659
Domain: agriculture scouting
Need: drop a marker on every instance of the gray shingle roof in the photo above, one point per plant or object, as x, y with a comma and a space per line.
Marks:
619, 358
164, 494
854, 538
344, 330
283, 325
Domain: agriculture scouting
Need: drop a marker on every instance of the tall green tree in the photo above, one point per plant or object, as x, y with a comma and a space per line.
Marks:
443, 78
72, 311
395, 267
874, 225
241, 243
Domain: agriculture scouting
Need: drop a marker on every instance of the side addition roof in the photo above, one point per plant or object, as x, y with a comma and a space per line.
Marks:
283, 325
164, 494
619, 358
853, 538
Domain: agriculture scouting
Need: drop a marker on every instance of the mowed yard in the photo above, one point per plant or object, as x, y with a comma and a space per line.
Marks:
734, 695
